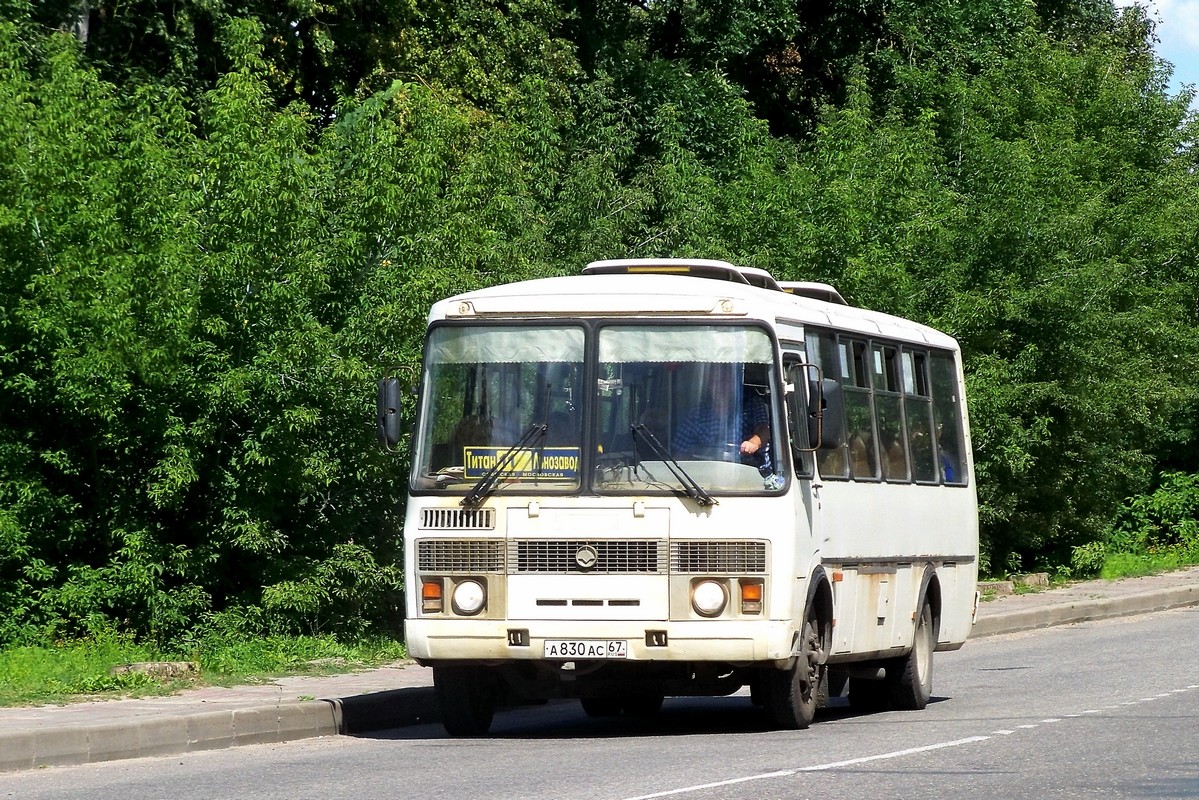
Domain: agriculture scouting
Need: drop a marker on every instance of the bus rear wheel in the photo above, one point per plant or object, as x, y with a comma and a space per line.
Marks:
793, 695
467, 697
911, 677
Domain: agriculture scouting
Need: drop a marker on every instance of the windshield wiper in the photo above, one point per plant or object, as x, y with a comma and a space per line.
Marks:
693, 489
488, 481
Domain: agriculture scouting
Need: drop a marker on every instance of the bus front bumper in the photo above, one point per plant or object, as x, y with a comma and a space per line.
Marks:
725, 641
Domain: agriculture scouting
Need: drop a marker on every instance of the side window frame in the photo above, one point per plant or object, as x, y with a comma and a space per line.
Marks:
918, 416
860, 415
948, 418
796, 372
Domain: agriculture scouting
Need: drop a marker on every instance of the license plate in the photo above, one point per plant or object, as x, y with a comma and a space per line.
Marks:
586, 648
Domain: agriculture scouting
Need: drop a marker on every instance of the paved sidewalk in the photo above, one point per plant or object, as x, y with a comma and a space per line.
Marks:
301, 707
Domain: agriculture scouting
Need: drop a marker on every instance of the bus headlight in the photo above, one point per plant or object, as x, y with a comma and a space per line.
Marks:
469, 598
709, 598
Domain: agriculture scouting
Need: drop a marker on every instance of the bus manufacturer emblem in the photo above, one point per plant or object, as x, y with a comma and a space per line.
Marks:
586, 557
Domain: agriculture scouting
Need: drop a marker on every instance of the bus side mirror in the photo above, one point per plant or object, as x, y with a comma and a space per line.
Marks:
826, 414
389, 412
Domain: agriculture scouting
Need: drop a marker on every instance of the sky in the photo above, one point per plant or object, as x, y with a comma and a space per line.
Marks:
1178, 30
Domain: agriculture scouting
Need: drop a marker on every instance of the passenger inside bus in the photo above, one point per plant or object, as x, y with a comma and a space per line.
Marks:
894, 462
921, 446
949, 459
861, 456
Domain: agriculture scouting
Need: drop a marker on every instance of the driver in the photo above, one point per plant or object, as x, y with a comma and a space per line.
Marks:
725, 418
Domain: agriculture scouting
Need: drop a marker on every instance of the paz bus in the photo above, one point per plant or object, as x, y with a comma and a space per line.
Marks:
567, 535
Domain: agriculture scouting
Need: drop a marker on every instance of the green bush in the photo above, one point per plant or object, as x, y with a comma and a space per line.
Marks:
1153, 532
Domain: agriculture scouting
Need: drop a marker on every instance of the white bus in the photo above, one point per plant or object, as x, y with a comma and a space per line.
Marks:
674, 477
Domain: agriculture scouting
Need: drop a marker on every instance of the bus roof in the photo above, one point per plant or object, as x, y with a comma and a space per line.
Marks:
612, 290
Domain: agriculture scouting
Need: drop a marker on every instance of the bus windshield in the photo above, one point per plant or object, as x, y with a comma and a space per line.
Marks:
677, 408
485, 388
685, 405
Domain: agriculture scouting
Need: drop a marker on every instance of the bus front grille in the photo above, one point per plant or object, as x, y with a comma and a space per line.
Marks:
718, 557
602, 556
460, 555
458, 519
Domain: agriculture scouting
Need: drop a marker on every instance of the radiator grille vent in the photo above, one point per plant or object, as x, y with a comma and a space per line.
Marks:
600, 556
640, 557
718, 557
458, 519
460, 555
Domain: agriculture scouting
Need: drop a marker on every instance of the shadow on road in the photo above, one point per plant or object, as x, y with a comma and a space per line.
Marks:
565, 719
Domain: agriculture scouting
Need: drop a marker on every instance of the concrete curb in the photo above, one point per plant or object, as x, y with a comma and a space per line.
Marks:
69, 745
1019, 620
170, 735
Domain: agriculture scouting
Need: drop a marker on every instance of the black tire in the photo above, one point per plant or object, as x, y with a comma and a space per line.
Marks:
911, 677
467, 697
793, 695
601, 706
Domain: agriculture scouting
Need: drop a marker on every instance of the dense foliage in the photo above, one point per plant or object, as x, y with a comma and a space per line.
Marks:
220, 223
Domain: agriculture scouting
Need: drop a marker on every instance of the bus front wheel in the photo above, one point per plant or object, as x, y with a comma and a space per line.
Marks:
793, 695
467, 698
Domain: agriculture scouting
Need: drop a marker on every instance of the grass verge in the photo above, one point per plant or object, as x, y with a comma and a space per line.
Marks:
1137, 565
80, 670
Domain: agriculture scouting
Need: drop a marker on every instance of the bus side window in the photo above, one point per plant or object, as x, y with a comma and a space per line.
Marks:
885, 378
918, 408
859, 412
947, 419
824, 353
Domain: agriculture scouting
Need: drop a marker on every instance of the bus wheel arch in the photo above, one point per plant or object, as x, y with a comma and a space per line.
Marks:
930, 593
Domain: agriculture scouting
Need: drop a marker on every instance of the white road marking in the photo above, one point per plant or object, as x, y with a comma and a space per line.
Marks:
896, 754
787, 773
732, 781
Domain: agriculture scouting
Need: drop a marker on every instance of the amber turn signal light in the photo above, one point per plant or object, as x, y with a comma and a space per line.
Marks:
431, 599
751, 596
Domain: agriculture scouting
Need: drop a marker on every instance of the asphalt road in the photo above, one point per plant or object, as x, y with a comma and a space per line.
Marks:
1098, 710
